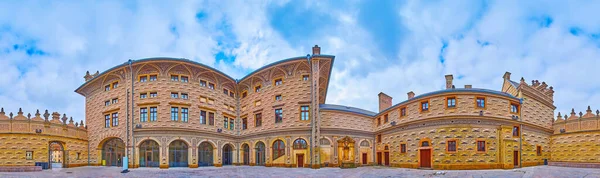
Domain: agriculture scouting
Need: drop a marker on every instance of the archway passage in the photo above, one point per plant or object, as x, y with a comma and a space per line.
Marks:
246, 149
56, 150
149, 154
260, 153
205, 154
178, 154
227, 155
113, 151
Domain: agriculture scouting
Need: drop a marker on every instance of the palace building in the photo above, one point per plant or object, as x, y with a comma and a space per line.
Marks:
170, 112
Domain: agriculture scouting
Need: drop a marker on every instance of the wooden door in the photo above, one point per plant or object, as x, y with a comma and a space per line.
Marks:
425, 158
516, 158
387, 158
364, 158
378, 158
300, 160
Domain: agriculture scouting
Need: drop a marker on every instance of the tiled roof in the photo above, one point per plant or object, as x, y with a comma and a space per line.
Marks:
346, 109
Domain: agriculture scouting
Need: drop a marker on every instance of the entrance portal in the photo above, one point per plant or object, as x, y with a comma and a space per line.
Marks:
260, 154
246, 149
516, 158
425, 158
56, 150
300, 160
227, 155
113, 151
149, 154
364, 158
178, 154
205, 154
387, 158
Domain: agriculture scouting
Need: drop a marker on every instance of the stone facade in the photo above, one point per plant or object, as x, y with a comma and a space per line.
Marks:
25, 140
166, 112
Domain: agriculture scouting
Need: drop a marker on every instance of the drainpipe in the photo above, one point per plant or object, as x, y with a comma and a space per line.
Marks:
132, 112
312, 120
521, 133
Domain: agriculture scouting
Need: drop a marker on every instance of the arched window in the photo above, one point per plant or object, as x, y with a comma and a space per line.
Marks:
324, 141
278, 149
149, 154
364, 143
300, 144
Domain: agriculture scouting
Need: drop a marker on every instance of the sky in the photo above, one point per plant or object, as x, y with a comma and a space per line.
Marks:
380, 46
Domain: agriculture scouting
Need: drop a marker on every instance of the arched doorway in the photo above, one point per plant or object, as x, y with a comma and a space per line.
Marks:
260, 153
149, 156
205, 154
57, 152
113, 151
227, 155
300, 144
246, 149
178, 154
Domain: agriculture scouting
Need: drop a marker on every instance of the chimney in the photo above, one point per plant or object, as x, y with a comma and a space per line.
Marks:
316, 50
506, 76
385, 101
411, 95
468, 86
449, 81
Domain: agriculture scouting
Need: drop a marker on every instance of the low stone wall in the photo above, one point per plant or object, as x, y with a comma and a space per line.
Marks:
575, 164
20, 168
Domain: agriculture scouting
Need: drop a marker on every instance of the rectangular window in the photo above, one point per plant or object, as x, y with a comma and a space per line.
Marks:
202, 117
278, 115
29, 155
78, 155
244, 94
379, 138
184, 79
403, 112
211, 118
115, 119
153, 77
184, 96
231, 124
225, 91
451, 146
115, 85
106, 121
403, 148
304, 77
378, 121
516, 131
174, 95
424, 106
143, 95
481, 146
304, 113
184, 114
152, 114
174, 114
225, 122
114, 101
257, 89
258, 120
211, 86
153, 94
538, 150
175, 78
451, 102
107, 88
244, 123
385, 118
143, 114
480, 102
257, 103
514, 108
143, 79
106, 103
202, 83
278, 82
231, 94
278, 97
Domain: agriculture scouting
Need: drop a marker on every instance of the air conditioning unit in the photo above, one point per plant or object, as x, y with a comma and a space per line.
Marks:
480, 113
138, 126
219, 130
562, 131
393, 123
515, 117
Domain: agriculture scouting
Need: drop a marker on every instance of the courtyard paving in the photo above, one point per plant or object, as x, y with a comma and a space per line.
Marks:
247, 171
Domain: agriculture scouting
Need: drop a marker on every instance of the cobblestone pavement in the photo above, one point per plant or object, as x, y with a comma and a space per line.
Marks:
246, 171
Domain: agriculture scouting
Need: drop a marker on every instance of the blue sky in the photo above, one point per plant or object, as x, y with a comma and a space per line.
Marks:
380, 46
